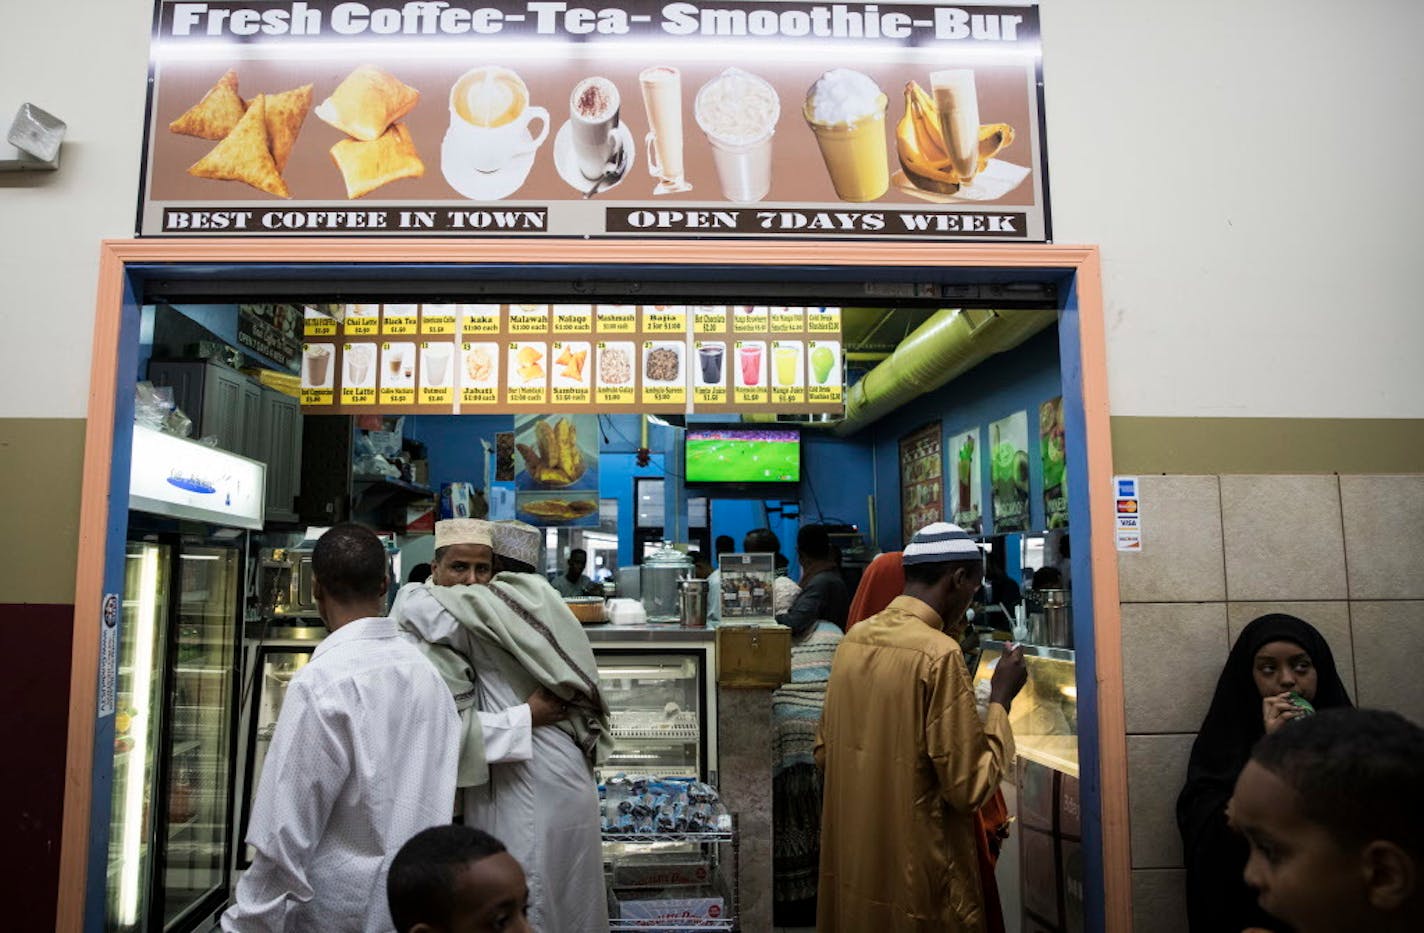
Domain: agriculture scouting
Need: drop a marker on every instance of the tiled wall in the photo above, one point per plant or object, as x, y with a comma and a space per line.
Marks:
1345, 553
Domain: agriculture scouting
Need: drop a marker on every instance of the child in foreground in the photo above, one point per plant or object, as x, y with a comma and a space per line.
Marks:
1332, 810
456, 879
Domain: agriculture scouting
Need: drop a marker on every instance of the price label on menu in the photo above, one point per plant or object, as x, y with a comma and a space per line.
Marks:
573, 319
709, 320
664, 380
363, 320
397, 374
312, 397
788, 320
664, 319
617, 319
570, 365
528, 319
400, 319
711, 383
823, 386
358, 385
436, 373
437, 320
823, 320
750, 383
480, 319
319, 326
614, 375
479, 369
747, 319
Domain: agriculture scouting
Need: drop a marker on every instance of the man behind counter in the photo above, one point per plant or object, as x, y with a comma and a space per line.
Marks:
572, 582
823, 591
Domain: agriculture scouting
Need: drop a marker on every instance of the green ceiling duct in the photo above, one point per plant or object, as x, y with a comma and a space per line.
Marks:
949, 344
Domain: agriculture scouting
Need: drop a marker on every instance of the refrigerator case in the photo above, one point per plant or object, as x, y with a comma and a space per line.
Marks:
661, 707
174, 757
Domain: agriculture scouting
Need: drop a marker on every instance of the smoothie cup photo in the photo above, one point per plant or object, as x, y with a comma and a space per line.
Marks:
787, 358
749, 360
846, 111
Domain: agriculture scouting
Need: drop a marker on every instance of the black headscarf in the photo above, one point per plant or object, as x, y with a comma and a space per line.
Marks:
1218, 898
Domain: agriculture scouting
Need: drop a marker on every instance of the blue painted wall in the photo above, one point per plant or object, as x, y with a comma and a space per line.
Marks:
1017, 380
453, 444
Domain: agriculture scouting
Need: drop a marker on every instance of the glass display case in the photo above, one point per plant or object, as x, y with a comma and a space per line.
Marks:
272, 667
660, 713
171, 819
1044, 715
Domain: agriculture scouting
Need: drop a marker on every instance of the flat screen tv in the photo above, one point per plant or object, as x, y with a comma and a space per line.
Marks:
742, 456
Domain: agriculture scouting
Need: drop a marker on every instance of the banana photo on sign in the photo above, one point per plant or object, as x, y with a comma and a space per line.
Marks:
556, 469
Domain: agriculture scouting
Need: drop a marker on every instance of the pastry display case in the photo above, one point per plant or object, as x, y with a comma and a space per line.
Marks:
1044, 715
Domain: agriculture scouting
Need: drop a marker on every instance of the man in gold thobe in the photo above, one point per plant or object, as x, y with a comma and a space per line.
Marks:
907, 761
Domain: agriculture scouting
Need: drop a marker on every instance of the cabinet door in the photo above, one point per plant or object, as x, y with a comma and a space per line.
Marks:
223, 407
282, 424
254, 434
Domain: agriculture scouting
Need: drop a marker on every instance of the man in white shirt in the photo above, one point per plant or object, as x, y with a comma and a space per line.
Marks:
363, 758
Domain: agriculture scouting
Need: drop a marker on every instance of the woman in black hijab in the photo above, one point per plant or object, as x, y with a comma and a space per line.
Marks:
1274, 657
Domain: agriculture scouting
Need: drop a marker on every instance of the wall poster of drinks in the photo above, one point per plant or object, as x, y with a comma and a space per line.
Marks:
526, 118
487, 358
1051, 446
921, 480
1009, 472
967, 508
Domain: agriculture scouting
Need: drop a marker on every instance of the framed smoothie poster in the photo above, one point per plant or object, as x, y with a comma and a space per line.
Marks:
1009, 472
792, 120
921, 480
967, 505
1055, 463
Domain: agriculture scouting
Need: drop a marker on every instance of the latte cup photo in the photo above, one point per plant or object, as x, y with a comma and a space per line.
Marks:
491, 120
593, 116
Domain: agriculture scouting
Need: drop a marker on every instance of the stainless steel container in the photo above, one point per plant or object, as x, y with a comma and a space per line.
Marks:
1057, 623
692, 602
662, 571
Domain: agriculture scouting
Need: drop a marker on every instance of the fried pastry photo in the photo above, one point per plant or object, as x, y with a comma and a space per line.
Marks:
216, 114
367, 103
367, 166
285, 114
244, 154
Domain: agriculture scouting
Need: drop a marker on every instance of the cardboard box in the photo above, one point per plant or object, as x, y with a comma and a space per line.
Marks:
688, 904
661, 873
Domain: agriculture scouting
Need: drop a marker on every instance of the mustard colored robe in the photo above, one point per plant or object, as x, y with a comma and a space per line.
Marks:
907, 764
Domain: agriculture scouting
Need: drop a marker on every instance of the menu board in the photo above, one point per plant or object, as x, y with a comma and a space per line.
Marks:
540, 358
921, 480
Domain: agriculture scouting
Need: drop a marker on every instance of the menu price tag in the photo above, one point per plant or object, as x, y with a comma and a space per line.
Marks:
359, 386
479, 373
528, 319
435, 374
570, 371
788, 320
662, 357
319, 325
617, 319
573, 319
664, 319
823, 320
528, 374
711, 387
400, 319
710, 320
748, 319
824, 386
362, 320
480, 319
788, 379
615, 373
437, 320
751, 381
397, 374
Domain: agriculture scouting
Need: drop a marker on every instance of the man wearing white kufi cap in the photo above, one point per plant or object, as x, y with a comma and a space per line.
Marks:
907, 762
534, 723
464, 552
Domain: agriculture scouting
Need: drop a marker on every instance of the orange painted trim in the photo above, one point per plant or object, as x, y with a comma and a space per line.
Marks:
88, 593
1107, 614
116, 255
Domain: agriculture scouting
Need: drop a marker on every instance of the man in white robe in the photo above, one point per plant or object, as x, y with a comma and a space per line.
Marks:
364, 756
525, 771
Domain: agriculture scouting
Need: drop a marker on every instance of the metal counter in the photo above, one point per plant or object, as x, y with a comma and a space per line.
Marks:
652, 634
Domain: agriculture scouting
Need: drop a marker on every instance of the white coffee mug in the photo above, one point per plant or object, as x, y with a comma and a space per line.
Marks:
490, 118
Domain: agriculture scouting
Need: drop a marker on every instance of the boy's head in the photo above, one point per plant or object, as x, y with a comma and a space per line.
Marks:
455, 879
1331, 808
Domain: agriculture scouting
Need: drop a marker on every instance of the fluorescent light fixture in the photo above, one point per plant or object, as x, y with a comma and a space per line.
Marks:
140, 730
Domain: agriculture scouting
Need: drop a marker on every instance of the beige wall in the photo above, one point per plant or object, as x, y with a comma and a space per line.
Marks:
1342, 552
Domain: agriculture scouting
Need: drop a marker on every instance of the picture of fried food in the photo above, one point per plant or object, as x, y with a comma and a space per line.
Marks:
366, 104
367, 166
572, 362
558, 509
557, 461
285, 114
216, 114
479, 364
245, 155
528, 363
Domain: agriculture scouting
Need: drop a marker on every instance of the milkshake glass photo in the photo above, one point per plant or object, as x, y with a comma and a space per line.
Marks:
316, 360
662, 96
846, 111
958, 103
358, 363
738, 112
436, 370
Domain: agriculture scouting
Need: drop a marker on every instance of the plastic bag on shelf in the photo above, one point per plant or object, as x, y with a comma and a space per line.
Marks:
152, 404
